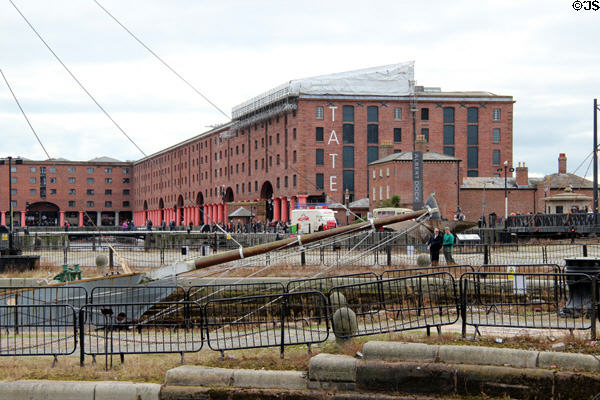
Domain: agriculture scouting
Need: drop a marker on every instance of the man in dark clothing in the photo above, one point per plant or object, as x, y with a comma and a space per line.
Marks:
435, 244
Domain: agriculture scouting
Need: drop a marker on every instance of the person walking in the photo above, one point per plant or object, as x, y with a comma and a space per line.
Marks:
448, 244
435, 244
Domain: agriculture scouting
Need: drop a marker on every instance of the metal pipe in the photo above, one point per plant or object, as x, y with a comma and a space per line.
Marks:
595, 162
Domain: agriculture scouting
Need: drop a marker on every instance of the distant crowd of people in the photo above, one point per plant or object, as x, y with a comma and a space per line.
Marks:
231, 227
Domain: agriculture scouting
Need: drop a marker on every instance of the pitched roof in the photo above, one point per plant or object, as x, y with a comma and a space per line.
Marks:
407, 156
241, 212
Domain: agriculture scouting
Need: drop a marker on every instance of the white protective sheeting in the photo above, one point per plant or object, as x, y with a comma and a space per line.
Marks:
387, 80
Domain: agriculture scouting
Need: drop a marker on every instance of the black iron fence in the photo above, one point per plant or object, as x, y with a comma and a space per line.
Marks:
529, 300
168, 319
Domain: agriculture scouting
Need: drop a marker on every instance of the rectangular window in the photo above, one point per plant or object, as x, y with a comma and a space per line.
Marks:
472, 173
108, 192
472, 134
126, 203
372, 114
13, 192
348, 134
42, 170
319, 182
294, 133
31, 169
32, 191
90, 192
52, 191
71, 180
348, 113
107, 180
448, 115
125, 171
125, 180
496, 135
348, 157
278, 182
397, 114
373, 133
425, 133
33, 180
348, 180
448, 134
13, 179
397, 135
71, 169
496, 114
108, 170
52, 170
294, 180
472, 115
90, 204
71, 191
396, 151
319, 156
319, 112
294, 156
89, 181
126, 192
90, 170
13, 169
71, 203
496, 157
285, 181
319, 134
424, 114
372, 154
449, 150
472, 158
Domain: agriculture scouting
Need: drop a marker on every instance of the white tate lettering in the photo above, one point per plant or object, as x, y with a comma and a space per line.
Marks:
333, 156
332, 183
332, 138
333, 108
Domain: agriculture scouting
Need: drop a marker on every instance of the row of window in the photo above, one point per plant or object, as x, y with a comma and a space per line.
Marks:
89, 170
72, 203
373, 114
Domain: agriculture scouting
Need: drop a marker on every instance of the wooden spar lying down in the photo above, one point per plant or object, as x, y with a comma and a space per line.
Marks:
233, 255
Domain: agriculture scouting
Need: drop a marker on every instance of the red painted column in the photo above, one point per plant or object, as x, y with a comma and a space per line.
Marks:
276, 212
197, 219
220, 213
61, 218
2, 218
205, 214
22, 218
213, 215
293, 203
225, 213
284, 209
80, 222
302, 200
178, 216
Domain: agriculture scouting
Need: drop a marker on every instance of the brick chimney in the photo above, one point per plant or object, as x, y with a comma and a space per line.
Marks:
385, 149
421, 144
562, 163
522, 175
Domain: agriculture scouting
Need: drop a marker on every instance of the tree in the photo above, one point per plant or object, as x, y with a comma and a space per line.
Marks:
393, 201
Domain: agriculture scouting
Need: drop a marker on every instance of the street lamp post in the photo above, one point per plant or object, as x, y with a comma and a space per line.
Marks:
10, 207
506, 171
347, 201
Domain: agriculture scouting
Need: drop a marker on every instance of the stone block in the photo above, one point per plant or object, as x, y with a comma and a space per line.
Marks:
188, 375
395, 351
487, 355
332, 368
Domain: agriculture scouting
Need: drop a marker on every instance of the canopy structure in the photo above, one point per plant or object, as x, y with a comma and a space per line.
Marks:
387, 80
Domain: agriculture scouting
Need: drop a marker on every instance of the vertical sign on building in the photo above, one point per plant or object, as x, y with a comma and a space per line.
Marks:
417, 170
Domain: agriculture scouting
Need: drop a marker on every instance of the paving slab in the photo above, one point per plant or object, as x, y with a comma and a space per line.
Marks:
332, 368
188, 375
269, 379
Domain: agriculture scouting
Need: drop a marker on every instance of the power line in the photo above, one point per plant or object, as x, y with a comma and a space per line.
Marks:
163, 62
75, 78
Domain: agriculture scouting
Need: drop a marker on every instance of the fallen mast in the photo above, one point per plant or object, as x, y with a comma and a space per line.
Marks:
299, 240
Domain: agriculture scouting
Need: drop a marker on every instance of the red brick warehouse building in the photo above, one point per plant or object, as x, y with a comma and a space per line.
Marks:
310, 140
53, 192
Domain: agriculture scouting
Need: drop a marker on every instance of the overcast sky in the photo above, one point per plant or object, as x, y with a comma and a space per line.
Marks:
543, 53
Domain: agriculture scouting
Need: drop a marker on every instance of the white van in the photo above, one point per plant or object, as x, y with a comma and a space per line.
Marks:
313, 219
